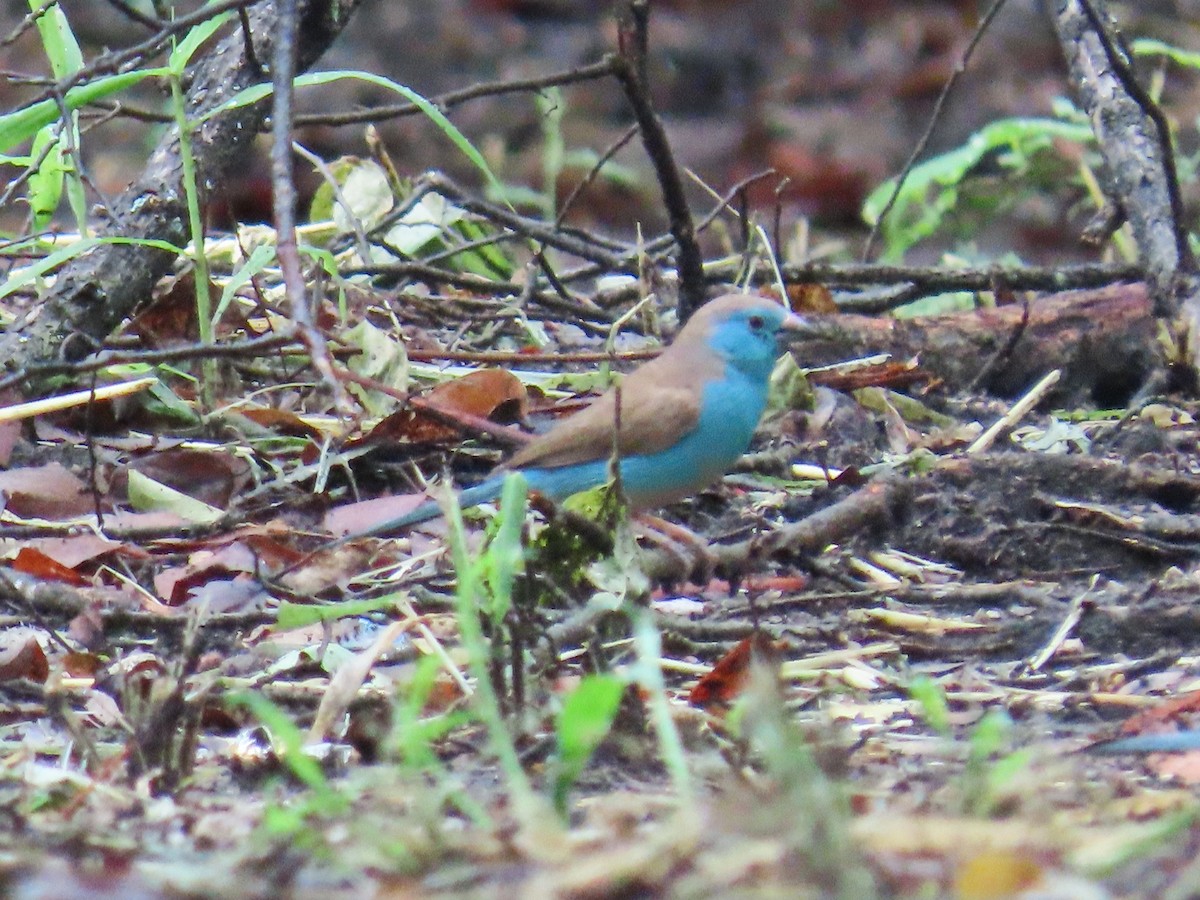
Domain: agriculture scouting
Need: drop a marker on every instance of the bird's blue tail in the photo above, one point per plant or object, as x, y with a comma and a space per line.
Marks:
1161, 742
481, 493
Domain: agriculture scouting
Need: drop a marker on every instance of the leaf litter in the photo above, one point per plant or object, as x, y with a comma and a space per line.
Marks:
972, 784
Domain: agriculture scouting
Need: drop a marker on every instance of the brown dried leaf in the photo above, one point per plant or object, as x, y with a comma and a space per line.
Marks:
809, 297
209, 476
280, 421
171, 316
76, 549
21, 656
493, 394
34, 562
729, 675
45, 492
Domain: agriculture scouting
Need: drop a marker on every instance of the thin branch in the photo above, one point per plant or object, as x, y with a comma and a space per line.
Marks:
444, 102
130, 12
973, 278
613, 149
601, 69
249, 348
630, 70
284, 193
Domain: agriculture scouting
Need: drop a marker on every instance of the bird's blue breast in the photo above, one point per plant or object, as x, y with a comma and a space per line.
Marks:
729, 412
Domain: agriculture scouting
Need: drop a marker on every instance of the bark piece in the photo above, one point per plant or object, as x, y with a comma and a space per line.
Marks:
1102, 339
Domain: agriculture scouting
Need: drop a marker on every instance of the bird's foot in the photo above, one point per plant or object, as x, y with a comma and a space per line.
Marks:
696, 561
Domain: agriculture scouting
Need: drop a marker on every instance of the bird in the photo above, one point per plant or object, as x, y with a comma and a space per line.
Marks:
686, 417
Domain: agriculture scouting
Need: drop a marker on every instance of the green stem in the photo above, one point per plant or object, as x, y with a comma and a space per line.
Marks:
196, 225
486, 704
648, 643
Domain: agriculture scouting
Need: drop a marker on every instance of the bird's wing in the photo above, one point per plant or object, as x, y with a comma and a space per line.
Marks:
653, 418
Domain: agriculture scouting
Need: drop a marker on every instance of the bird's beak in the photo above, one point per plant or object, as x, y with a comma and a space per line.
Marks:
794, 322
796, 328
792, 329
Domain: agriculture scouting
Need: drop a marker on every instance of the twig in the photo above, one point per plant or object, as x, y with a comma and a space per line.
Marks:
1003, 352
595, 70
1019, 410
248, 348
630, 69
724, 202
868, 506
445, 101
1074, 616
613, 149
510, 357
971, 278
284, 198
129, 12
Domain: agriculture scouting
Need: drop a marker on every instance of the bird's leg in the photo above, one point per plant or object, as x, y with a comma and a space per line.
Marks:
690, 548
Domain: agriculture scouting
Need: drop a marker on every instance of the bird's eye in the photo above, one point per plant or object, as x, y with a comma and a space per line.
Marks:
756, 322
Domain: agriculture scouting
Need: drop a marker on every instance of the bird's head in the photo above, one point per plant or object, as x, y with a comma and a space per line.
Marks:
744, 331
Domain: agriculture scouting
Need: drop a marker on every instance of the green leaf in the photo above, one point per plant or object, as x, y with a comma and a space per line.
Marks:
381, 356
932, 699
367, 192
28, 275
551, 107
46, 182
46, 187
23, 124
182, 54
930, 191
937, 305
991, 734
289, 744
57, 39
146, 494
585, 720
911, 410
260, 257
789, 387
165, 402
1151, 47
505, 555
301, 615
487, 260
414, 737
428, 221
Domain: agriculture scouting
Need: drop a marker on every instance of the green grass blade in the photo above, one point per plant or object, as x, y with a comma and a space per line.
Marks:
28, 275
22, 124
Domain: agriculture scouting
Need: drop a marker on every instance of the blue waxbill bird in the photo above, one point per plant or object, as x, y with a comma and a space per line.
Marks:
686, 417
